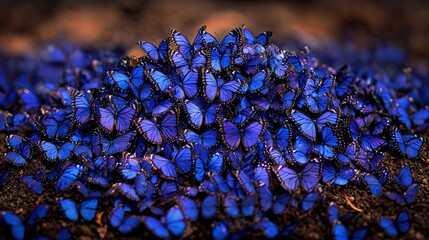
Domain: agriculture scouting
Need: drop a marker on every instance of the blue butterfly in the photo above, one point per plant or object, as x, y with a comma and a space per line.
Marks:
280, 140
184, 65
82, 108
53, 152
116, 219
302, 147
189, 208
217, 87
280, 203
17, 228
220, 59
220, 230
159, 79
199, 113
317, 93
164, 165
21, 150
408, 145
268, 228
307, 126
32, 184
183, 159
68, 177
262, 39
113, 116
155, 53
167, 128
207, 139
405, 178
3, 178
204, 165
186, 86
340, 177
258, 81
329, 142
401, 225
125, 189
245, 182
309, 200
174, 223
28, 99
129, 166
421, 116
123, 81
408, 197
209, 206
55, 125
87, 209
367, 141
38, 213
185, 47
374, 184
288, 99
290, 180
141, 184
162, 107
248, 137
349, 154
117, 145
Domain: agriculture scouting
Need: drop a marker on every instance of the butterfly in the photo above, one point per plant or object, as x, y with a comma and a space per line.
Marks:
308, 201
174, 223
343, 82
245, 182
308, 127
220, 230
153, 52
340, 177
55, 125
154, 134
262, 39
186, 86
17, 228
32, 184
164, 165
68, 177
308, 178
184, 65
123, 81
408, 197
207, 139
183, 159
374, 184
114, 116
21, 149
53, 152
301, 149
121, 143
220, 59
268, 228
189, 208
82, 108
87, 209
258, 81
37, 214
329, 141
401, 225
217, 87
159, 79
200, 114
116, 219
204, 165
248, 137
280, 140
185, 47
408, 145
349, 154
209, 206
28, 99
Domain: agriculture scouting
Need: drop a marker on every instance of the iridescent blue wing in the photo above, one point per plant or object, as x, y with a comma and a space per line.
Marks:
160, 80
309, 201
189, 207
404, 178
228, 89
150, 131
66, 151
162, 107
343, 85
340, 231
116, 217
360, 233
124, 118
120, 80
15, 158
156, 227
209, 206
107, 117
220, 230
88, 209
230, 206
81, 107
169, 125
310, 175
190, 83
32, 184
231, 134
120, 144
280, 203
164, 165
50, 150
180, 62
288, 178
16, 226
175, 221
184, 159
403, 221
151, 50
328, 117
68, 177
182, 43
129, 224
371, 143
374, 185
257, 81
38, 213
195, 113
251, 134
210, 86
305, 124
388, 226
248, 206
215, 163
69, 208
413, 145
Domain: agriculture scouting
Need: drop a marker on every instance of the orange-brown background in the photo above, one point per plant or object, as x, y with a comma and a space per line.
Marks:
26, 24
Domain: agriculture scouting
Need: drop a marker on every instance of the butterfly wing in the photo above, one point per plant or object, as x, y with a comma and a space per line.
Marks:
210, 86
107, 117
251, 134
160, 80
50, 150
150, 131
288, 178
124, 118
66, 150
88, 209
190, 82
195, 113
231, 134
169, 125
305, 124
69, 209
68, 177
228, 89
310, 175
164, 165
175, 221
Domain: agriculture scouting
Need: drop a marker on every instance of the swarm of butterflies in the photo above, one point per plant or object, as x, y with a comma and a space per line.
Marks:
196, 137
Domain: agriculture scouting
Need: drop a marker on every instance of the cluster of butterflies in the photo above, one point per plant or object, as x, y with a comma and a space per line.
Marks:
211, 130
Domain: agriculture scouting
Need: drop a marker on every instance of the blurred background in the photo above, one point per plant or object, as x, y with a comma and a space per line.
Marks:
27, 25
